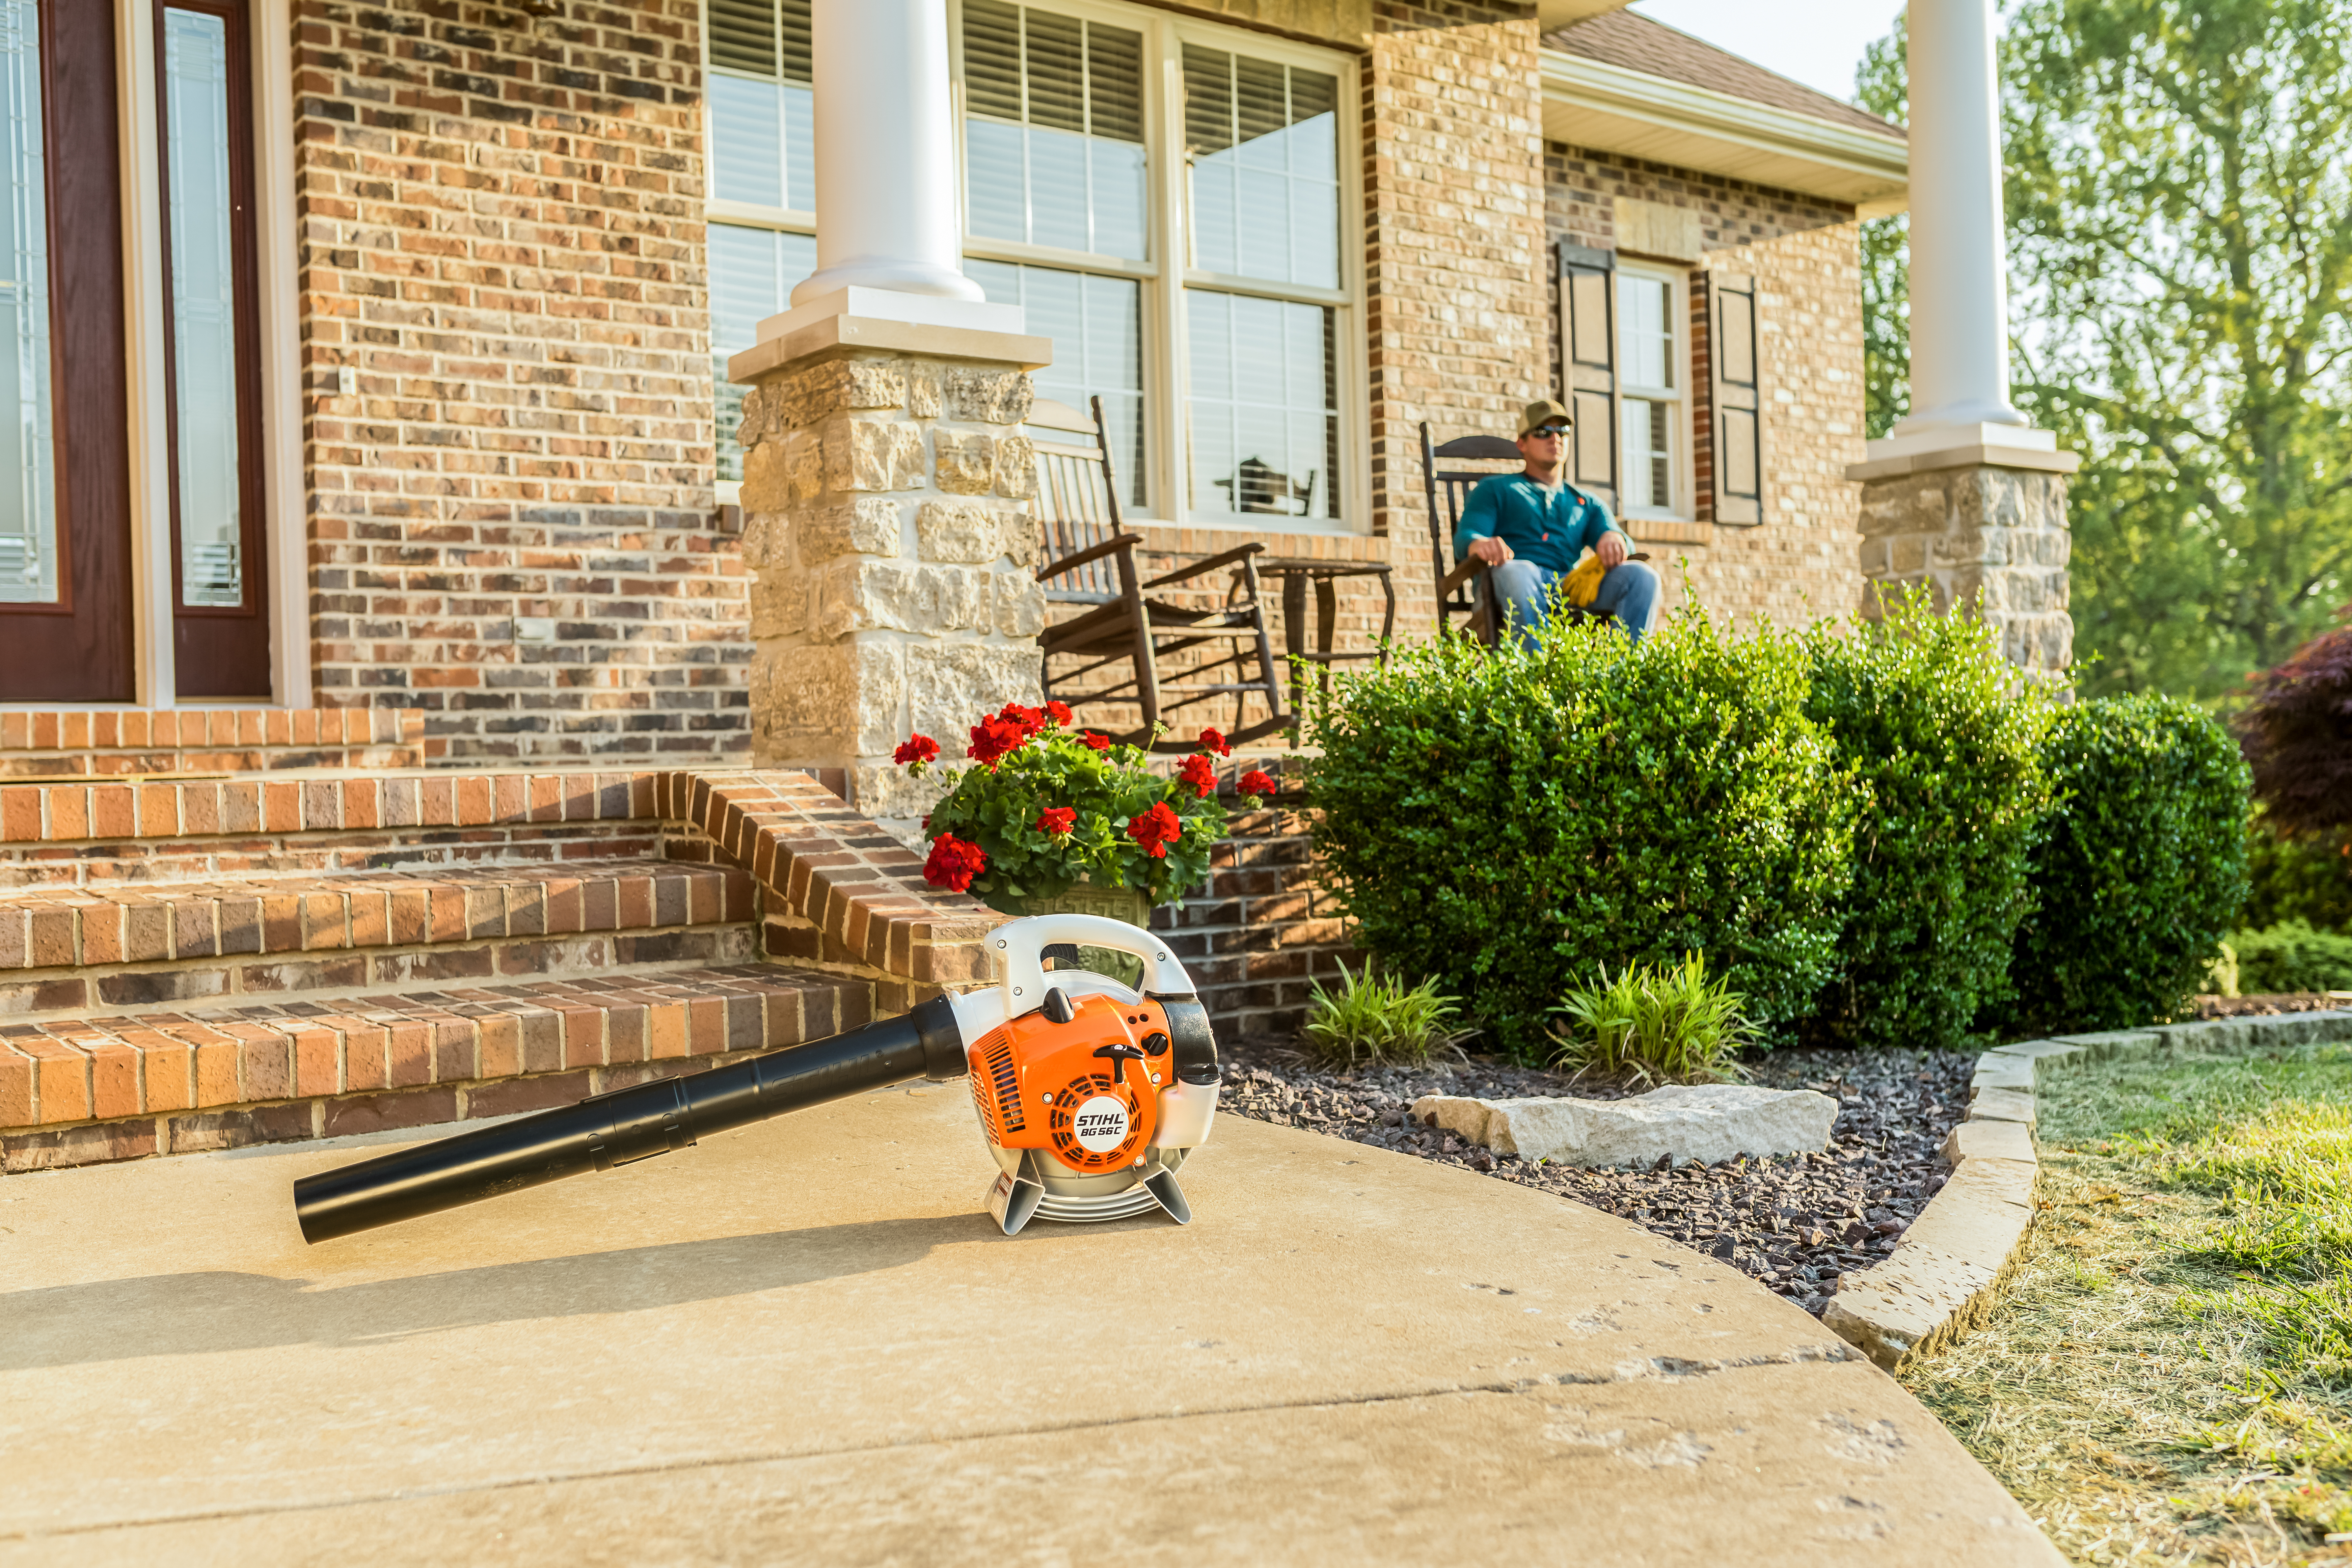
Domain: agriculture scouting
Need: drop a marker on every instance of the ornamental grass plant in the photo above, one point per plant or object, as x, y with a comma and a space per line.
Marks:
1376, 1020
1664, 1025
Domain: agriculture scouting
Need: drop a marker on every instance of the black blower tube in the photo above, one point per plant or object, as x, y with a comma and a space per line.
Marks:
608, 1129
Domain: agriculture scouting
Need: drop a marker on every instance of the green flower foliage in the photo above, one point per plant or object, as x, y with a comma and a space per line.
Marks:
2140, 868
1504, 821
1931, 722
997, 807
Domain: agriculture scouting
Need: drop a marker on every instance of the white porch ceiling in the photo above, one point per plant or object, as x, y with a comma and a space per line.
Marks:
1608, 107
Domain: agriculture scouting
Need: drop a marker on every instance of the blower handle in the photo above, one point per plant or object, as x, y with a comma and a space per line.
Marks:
1022, 945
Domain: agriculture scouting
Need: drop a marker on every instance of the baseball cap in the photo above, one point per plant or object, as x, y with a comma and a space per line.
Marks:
1546, 412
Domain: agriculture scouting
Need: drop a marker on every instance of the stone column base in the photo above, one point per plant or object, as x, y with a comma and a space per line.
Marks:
1980, 527
887, 517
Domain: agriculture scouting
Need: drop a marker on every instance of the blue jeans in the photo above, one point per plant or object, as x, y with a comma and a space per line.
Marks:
1629, 596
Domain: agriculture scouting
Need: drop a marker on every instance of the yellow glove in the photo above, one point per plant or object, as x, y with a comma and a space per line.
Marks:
1584, 583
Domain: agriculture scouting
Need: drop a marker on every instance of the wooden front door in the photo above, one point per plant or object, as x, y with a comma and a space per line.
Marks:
66, 480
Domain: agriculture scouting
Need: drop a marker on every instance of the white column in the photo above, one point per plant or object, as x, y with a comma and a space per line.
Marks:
886, 197
1960, 333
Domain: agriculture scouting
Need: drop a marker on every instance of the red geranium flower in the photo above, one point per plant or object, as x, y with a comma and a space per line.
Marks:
916, 749
992, 738
1057, 819
1213, 741
1099, 742
1200, 772
1059, 712
954, 863
1156, 829
1258, 782
1031, 720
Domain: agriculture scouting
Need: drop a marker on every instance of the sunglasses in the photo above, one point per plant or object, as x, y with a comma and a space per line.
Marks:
1549, 430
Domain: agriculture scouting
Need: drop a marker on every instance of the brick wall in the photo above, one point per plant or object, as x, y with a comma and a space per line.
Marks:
1804, 561
1458, 302
511, 518
1264, 930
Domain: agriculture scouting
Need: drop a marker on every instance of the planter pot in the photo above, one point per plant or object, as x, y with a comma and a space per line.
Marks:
1126, 904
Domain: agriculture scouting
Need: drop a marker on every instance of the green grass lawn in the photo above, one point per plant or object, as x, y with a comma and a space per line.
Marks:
2169, 1377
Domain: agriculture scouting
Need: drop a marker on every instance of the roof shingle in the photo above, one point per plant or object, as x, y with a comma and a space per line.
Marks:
1641, 43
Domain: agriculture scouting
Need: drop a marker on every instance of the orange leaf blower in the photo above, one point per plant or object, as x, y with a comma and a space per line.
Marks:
1091, 1096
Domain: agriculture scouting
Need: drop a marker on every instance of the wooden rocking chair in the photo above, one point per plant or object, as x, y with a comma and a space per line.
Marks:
1086, 557
1462, 587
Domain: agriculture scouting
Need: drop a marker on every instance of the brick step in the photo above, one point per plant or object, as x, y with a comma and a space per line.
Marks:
142, 944
79, 1092
50, 742
78, 832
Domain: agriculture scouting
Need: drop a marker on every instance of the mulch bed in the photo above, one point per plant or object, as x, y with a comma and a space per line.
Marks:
1795, 1222
2209, 1008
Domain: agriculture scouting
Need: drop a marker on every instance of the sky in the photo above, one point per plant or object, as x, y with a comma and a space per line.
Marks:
1821, 53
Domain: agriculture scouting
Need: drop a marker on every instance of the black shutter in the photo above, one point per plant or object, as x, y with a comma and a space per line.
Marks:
1736, 392
1588, 360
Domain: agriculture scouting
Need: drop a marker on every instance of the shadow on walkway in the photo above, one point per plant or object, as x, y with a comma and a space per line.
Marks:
179, 1314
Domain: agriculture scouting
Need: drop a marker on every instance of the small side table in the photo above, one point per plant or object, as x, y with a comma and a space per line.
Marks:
1295, 572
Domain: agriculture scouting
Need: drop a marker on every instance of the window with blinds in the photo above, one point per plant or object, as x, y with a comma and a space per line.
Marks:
1096, 325
1649, 409
1260, 140
761, 142
1263, 406
1054, 148
752, 272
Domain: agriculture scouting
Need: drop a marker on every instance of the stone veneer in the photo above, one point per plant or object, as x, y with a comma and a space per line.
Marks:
886, 513
1979, 534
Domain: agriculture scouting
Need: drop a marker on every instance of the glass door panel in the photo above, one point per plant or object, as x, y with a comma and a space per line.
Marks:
65, 477
211, 351
28, 523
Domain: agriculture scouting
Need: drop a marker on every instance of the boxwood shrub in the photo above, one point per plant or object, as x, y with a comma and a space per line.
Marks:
2140, 868
2293, 956
1932, 722
1508, 821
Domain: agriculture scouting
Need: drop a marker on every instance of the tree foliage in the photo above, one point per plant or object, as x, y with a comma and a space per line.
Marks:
2296, 730
2179, 189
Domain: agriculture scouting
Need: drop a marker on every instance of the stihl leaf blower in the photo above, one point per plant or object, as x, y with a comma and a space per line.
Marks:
1091, 1096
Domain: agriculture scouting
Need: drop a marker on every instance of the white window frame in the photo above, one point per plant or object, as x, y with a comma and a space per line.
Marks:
1680, 472
1163, 279
743, 215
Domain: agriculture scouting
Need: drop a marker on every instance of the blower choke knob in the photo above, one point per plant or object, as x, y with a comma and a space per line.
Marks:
1155, 1044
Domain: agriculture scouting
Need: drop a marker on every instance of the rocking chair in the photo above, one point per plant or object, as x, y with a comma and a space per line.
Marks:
1086, 557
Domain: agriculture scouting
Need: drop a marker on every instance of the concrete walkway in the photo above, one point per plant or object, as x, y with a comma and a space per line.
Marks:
805, 1342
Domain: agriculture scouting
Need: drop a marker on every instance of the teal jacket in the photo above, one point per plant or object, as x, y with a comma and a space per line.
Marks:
1551, 530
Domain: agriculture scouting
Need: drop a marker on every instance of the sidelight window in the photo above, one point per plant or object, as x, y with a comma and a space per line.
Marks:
29, 571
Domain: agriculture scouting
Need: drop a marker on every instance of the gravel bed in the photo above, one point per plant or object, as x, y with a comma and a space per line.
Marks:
1795, 1222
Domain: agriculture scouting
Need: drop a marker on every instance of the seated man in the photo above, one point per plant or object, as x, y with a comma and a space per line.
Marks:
1531, 528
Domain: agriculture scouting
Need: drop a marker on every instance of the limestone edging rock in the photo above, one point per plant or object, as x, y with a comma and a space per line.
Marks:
1681, 1122
1947, 1270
